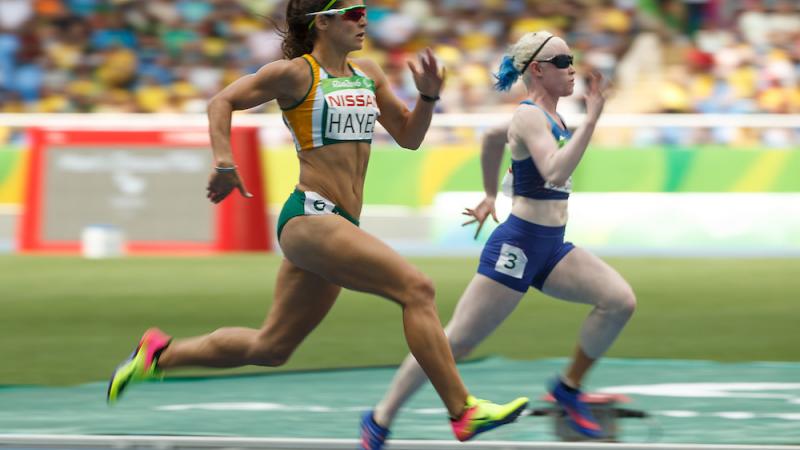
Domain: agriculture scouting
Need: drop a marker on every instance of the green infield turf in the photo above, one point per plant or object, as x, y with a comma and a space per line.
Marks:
65, 320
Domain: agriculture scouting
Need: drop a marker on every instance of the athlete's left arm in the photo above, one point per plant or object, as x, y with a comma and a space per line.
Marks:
408, 128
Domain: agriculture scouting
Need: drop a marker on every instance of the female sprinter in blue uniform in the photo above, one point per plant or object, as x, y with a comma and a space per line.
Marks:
330, 103
528, 249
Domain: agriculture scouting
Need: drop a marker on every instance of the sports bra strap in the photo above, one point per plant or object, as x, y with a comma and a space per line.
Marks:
561, 126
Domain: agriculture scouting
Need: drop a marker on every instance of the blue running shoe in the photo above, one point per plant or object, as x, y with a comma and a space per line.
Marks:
373, 435
579, 417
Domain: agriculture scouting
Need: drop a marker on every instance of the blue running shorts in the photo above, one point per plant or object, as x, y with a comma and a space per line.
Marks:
520, 254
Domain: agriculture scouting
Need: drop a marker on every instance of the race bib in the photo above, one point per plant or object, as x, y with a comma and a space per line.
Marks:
351, 109
507, 186
316, 204
512, 261
567, 187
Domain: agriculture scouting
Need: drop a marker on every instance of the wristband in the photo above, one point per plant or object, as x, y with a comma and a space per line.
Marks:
428, 98
225, 169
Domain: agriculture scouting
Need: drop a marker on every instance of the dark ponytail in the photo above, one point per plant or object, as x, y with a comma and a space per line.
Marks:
298, 39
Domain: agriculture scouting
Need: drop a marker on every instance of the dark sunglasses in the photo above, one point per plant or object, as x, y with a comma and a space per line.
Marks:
560, 61
351, 13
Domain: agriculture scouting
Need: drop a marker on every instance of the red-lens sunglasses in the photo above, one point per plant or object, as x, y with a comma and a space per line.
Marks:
351, 13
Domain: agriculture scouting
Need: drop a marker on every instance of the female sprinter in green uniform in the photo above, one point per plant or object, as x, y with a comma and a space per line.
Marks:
528, 249
330, 104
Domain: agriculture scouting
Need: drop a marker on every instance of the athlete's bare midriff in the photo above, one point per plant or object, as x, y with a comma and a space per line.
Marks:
337, 172
551, 213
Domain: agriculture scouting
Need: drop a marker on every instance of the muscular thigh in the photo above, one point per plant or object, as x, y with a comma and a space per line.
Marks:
584, 278
346, 255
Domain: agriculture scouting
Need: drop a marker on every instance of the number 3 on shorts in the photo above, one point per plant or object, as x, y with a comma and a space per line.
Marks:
512, 261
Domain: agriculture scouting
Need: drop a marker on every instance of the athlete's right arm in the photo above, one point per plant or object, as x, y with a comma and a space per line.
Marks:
281, 80
492, 146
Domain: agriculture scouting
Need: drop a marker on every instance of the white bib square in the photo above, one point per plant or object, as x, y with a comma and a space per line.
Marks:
512, 261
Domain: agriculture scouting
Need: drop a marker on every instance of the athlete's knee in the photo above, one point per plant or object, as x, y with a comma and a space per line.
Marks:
419, 291
624, 302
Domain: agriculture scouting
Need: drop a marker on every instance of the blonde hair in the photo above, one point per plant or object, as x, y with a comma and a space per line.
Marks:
524, 49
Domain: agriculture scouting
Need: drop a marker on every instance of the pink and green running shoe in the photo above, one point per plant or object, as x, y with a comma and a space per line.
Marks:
482, 415
141, 365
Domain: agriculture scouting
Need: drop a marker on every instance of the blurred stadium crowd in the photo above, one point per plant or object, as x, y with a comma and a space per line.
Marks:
710, 56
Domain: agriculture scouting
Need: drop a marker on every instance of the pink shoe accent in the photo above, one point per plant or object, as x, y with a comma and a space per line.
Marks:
461, 426
153, 341
582, 421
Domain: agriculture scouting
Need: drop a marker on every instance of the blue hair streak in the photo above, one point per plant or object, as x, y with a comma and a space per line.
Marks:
506, 75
